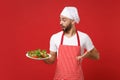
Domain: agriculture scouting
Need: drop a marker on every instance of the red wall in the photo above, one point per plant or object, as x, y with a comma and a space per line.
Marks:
28, 25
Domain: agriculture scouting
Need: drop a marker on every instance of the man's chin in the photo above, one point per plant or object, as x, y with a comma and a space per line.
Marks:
63, 29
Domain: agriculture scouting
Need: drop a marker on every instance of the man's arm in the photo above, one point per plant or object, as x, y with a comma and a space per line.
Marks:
52, 58
93, 54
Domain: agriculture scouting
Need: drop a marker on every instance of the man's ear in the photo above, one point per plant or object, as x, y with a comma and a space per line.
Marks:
73, 22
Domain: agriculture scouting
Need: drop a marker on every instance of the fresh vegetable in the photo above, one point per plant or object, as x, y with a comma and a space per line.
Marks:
38, 53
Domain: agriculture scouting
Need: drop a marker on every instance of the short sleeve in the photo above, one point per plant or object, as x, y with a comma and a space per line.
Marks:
53, 46
88, 43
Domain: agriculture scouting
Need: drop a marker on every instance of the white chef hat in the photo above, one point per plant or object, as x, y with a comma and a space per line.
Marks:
72, 13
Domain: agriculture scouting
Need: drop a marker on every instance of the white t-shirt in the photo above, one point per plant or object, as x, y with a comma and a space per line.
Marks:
85, 41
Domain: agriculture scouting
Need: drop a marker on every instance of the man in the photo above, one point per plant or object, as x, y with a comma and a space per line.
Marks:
68, 47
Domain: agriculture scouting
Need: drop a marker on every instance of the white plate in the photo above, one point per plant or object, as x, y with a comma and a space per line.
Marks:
38, 58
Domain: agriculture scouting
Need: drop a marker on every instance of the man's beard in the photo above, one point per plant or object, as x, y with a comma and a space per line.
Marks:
68, 28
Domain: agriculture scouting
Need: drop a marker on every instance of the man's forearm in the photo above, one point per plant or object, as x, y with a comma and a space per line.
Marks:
93, 54
49, 61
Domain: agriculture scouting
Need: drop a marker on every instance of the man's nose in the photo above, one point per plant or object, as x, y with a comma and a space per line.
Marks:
60, 22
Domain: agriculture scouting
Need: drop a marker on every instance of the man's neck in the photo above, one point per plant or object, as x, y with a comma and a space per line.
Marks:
71, 32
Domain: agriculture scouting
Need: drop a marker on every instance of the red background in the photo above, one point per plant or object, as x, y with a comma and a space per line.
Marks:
28, 25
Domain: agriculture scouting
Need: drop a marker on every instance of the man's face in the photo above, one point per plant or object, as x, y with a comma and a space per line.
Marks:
65, 23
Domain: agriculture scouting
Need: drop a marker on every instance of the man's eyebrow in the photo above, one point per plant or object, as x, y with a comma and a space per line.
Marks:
63, 18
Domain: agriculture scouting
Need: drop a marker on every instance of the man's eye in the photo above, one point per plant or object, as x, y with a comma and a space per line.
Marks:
64, 20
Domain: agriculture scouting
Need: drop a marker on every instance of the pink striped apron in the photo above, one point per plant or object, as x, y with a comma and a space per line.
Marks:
68, 68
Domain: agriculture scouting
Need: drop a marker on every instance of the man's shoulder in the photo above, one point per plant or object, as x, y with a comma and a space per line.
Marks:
58, 34
85, 37
82, 33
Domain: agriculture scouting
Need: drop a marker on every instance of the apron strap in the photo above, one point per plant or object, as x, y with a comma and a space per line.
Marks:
78, 39
62, 38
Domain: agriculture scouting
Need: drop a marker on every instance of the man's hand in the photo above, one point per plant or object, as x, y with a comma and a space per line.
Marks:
79, 57
93, 54
52, 58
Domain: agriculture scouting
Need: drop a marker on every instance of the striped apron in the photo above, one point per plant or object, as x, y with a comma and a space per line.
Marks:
68, 67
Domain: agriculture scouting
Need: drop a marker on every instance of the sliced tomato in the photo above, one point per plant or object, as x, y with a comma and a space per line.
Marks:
35, 56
